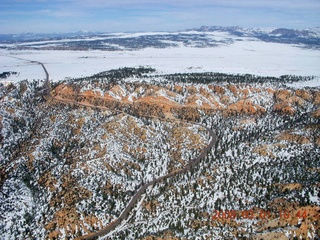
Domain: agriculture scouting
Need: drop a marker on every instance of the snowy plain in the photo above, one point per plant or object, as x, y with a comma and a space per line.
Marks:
243, 56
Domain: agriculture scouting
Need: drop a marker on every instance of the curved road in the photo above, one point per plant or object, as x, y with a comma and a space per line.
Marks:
124, 215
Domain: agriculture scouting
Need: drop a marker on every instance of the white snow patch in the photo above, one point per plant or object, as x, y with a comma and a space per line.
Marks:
199, 102
253, 57
311, 83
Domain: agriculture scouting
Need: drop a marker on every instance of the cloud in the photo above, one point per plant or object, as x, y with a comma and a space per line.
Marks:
148, 15
59, 13
201, 3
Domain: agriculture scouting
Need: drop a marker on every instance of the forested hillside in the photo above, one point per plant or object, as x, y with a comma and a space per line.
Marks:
71, 163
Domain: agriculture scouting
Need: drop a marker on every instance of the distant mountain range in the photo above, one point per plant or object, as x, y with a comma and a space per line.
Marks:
29, 36
280, 35
196, 37
276, 32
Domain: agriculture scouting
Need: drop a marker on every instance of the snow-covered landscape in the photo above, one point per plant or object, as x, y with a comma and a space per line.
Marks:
124, 109
216, 51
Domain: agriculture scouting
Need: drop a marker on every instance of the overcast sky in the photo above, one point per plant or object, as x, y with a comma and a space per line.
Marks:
150, 15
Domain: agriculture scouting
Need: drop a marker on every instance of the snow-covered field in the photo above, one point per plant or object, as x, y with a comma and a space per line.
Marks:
246, 56
25, 69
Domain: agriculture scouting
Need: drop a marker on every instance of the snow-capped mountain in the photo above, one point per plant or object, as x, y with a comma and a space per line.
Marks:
285, 32
309, 37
